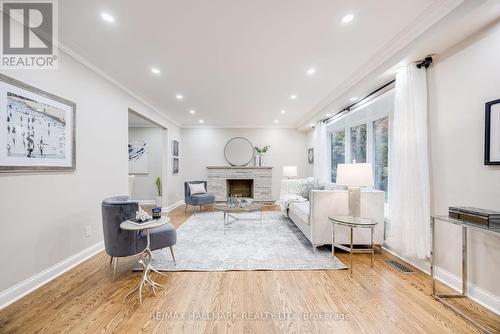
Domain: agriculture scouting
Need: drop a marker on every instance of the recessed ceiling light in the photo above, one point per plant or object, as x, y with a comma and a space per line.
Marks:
353, 99
311, 71
293, 97
347, 18
201, 121
276, 121
283, 112
192, 111
108, 18
155, 70
179, 97
328, 115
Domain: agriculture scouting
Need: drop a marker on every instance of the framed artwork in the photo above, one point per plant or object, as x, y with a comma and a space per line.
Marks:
492, 133
175, 148
175, 165
37, 129
310, 155
138, 157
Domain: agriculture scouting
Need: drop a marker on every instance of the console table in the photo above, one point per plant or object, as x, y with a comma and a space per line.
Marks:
442, 297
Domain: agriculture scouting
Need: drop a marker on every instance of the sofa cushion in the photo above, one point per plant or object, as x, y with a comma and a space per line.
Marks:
301, 210
197, 188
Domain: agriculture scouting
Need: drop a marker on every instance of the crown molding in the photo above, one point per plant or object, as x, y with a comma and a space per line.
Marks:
239, 127
433, 13
76, 56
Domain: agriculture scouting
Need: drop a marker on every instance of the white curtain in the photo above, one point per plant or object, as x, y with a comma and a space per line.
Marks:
408, 226
321, 165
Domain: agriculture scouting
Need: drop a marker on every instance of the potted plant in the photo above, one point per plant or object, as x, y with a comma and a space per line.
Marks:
260, 156
158, 199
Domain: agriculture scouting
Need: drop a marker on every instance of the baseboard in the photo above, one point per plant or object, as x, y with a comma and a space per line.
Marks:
23, 288
173, 206
474, 292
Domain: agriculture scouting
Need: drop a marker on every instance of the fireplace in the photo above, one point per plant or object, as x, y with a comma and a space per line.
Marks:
242, 188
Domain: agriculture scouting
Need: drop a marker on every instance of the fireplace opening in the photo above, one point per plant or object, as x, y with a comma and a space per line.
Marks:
242, 188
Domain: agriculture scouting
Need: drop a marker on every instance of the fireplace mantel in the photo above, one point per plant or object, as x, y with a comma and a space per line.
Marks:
218, 177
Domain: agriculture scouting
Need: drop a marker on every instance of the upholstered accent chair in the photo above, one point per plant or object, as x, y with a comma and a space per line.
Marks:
197, 199
120, 243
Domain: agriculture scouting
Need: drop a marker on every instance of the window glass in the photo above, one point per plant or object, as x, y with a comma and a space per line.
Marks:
338, 151
381, 154
358, 143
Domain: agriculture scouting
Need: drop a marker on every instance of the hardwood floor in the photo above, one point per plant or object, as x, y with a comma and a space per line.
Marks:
378, 300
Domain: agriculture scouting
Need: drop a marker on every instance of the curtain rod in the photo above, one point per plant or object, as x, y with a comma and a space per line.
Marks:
425, 63
365, 99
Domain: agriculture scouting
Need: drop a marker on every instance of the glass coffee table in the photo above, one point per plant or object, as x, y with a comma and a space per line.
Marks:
231, 211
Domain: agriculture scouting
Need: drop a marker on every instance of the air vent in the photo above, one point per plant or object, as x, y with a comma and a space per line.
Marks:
399, 266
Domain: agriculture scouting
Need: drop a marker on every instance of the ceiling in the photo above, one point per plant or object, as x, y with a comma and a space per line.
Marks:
235, 62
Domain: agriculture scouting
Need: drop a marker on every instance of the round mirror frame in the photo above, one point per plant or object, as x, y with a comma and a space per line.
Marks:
251, 158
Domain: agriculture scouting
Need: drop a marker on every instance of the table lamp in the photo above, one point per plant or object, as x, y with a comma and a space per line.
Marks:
289, 171
354, 176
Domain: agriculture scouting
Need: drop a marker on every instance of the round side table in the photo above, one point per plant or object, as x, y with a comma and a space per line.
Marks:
145, 262
352, 223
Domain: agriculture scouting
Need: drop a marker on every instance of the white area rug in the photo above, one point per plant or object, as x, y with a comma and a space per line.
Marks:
277, 245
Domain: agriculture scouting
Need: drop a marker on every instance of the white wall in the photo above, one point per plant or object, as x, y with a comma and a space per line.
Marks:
44, 215
460, 82
205, 147
145, 184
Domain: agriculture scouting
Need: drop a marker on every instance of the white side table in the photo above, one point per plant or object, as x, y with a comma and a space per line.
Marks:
146, 265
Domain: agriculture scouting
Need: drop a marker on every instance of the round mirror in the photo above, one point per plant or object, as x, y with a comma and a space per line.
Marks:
238, 151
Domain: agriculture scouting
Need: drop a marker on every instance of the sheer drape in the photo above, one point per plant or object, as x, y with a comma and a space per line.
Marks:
321, 165
409, 188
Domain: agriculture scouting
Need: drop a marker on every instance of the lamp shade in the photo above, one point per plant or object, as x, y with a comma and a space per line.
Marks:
355, 175
290, 171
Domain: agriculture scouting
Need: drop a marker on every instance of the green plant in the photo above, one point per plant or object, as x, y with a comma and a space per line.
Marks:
158, 185
263, 149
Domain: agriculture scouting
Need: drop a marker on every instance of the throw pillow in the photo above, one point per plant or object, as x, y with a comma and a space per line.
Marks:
197, 188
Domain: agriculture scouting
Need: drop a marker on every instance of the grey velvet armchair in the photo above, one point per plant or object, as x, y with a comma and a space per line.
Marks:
120, 243
198, 199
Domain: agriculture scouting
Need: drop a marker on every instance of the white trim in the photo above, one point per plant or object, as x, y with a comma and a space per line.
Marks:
474, 292
173, 206
239, 126
34, 282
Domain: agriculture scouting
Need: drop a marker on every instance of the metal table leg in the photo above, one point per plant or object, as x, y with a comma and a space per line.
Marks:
372, 246
350, 254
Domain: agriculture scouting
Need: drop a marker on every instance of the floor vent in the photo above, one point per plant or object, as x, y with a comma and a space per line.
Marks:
399, 266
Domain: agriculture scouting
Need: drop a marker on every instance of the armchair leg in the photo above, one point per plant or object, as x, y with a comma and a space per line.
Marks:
114, 267
111, 260
186, 208
173, 257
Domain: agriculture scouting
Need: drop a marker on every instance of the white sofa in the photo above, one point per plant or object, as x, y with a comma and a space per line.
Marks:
311, 216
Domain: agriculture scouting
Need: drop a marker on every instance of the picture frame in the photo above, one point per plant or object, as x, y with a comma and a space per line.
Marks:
138, 157
310, 155
175, 148
492, 133
37, 129
175, 165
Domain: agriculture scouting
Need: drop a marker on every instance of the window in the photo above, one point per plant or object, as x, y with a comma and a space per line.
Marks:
337, 151
381, 154
358, 143
363, 135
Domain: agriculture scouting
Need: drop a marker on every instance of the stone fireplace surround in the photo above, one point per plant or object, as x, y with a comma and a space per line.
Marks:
259, 177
